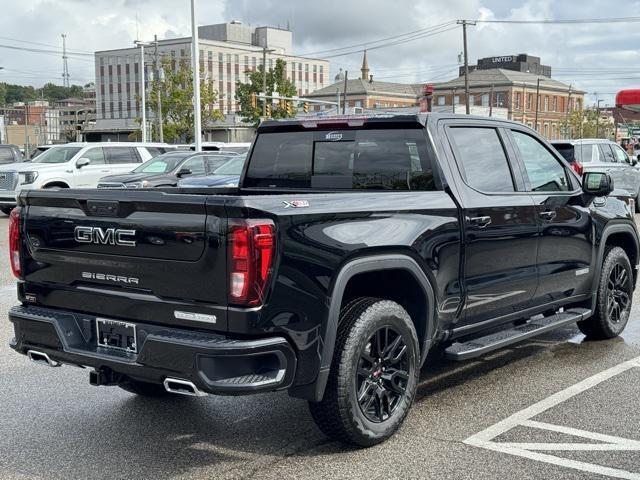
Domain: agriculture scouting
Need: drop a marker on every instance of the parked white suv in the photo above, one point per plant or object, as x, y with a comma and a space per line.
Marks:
73, 165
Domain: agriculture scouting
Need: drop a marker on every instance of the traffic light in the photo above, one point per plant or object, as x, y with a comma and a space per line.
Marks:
291, 109
305, 107
283, 104
268, 109
254, 100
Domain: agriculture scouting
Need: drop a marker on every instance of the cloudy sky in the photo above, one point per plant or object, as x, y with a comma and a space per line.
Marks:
598, 58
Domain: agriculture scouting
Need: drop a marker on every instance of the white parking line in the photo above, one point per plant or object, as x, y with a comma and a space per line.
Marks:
484, 439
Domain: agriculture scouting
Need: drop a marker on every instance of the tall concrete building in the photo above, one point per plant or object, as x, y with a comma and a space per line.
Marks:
228, 52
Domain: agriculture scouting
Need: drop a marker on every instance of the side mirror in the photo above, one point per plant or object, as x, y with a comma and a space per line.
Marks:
183, 172
82, 162
598, 184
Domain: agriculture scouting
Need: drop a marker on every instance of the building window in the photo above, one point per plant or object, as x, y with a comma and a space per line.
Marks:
485, 99
530, 101
456, 99
441, 101
546, 104
517, 100
501, 99
555, 104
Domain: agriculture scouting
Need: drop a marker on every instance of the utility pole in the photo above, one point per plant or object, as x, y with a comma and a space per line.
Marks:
65, 65
26, 130
464, 24
337, 101
535, 122
344, 93
195, 65
598, 118
159, 81
566, 115
491, 101
453, 100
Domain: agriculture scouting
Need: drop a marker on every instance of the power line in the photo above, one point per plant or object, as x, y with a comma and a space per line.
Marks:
366, 44
567, 21
80, 52
393, 43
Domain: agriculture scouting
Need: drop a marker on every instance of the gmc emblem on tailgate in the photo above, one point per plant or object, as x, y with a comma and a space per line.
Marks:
104, 236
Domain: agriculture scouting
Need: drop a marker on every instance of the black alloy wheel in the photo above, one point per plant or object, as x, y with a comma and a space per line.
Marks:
382, 374
619, 291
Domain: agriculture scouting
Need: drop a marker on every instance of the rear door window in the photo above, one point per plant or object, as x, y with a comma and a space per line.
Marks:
378, 159
482, 159
123, 155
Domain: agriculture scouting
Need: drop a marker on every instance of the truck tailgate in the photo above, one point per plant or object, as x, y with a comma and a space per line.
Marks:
159, 254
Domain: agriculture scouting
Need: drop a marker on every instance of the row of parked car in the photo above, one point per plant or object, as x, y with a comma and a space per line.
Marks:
122, 165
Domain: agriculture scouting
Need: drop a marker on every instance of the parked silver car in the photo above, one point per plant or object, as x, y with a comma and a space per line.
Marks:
600, 155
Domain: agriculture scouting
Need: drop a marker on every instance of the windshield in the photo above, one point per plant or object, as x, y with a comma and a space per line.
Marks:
57, 155
162, 163
232, 167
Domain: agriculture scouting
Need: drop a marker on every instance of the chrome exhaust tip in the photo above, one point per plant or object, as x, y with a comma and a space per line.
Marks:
42, 358
182, 387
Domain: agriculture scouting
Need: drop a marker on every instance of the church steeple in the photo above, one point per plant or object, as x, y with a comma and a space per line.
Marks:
365, 67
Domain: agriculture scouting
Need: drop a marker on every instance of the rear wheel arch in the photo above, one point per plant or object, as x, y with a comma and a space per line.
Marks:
55, 184
348, 286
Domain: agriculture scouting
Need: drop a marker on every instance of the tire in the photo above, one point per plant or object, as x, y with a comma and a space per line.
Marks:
386, 395
144, 389
615, 297
6, 210
636, 202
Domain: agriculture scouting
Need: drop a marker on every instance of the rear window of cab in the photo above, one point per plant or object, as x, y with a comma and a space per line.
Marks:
376, 159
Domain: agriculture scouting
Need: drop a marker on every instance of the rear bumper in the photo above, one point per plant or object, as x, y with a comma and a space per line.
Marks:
213, 363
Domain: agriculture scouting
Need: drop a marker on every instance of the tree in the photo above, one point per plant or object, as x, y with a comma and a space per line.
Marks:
276, 81
176, 94
3, 93
584, 123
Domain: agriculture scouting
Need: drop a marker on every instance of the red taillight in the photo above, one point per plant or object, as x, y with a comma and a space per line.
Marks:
577, 167
252, 246
14, 242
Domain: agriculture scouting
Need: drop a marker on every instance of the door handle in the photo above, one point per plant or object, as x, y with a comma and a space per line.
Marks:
480, 222
104, 171
548, 215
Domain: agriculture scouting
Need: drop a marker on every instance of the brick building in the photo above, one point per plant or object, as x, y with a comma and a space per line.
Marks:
367, 93
526, 96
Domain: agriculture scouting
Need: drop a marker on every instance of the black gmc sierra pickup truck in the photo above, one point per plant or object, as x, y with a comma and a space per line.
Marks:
352, 247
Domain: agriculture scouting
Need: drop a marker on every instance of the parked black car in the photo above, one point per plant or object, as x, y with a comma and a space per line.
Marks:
350, 250
10, 154
165, 170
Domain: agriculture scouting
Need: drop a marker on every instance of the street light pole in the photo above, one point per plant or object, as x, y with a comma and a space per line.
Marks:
159, 81
264, 77
195, 66
142, 90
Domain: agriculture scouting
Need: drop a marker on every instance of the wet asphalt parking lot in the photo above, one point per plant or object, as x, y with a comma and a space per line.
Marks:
554, 407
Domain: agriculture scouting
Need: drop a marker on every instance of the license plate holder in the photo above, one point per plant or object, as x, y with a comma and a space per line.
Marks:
116, 335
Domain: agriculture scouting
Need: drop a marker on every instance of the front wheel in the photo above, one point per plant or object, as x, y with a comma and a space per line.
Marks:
615, 295
373, 375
